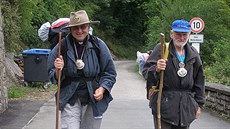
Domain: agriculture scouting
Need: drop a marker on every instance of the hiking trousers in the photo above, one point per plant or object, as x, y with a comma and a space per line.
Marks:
79, 117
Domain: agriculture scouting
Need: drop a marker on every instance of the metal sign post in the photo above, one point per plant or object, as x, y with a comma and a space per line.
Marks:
196, 39
197, 25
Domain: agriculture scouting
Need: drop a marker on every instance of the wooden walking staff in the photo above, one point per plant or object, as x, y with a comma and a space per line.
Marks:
59, 83
161, 84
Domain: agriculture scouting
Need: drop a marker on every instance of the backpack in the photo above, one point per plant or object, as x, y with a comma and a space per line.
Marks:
53, 34
49, 32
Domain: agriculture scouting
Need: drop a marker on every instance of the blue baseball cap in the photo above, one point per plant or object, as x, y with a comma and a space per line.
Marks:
181, 26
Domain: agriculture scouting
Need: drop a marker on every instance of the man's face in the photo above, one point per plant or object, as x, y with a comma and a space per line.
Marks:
80, 32
180, 38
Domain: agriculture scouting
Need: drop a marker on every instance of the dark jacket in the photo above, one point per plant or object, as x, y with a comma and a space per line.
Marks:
181, 96
103, 68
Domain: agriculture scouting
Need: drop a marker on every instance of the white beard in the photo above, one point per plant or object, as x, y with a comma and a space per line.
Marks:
178, 44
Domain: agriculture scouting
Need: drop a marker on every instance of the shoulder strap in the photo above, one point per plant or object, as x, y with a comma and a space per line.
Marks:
166, 51
64, 50
95, 41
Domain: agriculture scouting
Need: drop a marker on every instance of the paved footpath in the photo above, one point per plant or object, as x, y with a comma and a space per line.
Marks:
128, 110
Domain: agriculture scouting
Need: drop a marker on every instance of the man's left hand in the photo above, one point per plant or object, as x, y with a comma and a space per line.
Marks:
198, 112
98, 95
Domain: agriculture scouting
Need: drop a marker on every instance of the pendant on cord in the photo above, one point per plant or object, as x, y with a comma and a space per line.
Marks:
80, 64
182, 72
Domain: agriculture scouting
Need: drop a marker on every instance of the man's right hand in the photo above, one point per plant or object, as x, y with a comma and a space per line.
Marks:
59, 63
161, 65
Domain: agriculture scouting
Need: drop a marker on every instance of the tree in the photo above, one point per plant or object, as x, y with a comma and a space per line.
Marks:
214, 13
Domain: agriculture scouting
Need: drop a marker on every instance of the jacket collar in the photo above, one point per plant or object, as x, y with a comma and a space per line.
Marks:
70, 47
190, 51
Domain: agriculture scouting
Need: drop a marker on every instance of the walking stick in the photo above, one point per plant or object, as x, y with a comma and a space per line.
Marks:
59, 83
161, 85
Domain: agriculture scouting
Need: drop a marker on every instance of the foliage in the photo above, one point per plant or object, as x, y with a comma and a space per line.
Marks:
130, 22
125, 25
216, 15
11, 27
18, 92
153, 33
219, 72
23, 19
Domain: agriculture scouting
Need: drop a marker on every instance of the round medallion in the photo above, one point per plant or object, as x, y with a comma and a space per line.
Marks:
80, 64
182, 72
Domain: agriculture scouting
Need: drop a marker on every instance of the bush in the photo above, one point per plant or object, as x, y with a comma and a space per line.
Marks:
18, 92
219, 72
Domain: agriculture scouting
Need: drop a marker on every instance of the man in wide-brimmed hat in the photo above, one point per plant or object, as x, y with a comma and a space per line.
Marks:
87, 78
80, 20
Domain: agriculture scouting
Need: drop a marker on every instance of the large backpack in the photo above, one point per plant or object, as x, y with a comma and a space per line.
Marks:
49, 32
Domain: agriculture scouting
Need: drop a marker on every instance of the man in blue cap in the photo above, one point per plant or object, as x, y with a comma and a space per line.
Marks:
183, 93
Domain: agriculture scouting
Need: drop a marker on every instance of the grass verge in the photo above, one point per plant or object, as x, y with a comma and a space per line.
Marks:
35, 91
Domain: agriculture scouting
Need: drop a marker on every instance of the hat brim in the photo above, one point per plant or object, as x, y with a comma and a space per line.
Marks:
181, 30
90, 22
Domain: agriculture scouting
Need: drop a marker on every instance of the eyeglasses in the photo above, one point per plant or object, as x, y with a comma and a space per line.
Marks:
82, 27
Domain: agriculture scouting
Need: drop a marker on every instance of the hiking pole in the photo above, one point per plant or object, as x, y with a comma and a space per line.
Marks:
162, 40
59, 84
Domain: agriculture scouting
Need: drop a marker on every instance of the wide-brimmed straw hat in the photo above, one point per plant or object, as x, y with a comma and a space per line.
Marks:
79, 18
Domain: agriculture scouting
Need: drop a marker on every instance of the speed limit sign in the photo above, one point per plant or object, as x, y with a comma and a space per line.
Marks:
197, 25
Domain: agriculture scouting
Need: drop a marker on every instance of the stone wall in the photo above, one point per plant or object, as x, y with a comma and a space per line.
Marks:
218, 98
3, 78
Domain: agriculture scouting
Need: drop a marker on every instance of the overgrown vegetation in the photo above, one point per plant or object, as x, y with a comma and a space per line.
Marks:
216, 15
126, 26
34, 90
18, 92
219, 71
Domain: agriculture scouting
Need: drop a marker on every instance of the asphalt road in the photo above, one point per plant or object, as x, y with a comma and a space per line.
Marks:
128, 110
19, 112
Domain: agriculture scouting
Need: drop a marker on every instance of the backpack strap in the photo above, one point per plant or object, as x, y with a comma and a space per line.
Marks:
64, 53
166, 51
94, 40
64, 48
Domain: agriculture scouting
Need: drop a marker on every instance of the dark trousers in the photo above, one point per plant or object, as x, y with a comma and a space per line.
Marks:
165, 125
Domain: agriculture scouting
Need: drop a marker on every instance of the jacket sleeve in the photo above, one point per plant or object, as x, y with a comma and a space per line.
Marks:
108, 72
199, 86
149, 70
51, 69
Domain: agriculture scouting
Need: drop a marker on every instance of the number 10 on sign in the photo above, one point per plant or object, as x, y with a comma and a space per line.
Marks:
197, 25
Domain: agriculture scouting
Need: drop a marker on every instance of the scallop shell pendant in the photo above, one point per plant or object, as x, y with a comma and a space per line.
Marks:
80, 64
182, 72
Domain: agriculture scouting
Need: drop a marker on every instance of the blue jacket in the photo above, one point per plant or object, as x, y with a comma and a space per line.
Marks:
103, 68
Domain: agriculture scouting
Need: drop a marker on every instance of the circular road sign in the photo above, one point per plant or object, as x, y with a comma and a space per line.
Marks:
197, 25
